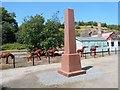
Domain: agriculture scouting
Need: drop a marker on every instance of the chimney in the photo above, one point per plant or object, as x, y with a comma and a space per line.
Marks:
99, 30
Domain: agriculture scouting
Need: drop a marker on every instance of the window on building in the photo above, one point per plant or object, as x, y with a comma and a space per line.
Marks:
99, 44
104, 44
118, 43
92, 44
86, 44
107, 43
112, 43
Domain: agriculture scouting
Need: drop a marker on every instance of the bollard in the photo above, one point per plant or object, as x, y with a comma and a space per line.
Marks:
108, 51
33, 60
115, 51
49, 59
14, 62
102, 53
85, 55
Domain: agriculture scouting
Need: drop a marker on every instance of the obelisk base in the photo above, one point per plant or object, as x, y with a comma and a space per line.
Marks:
71, 65
69, 74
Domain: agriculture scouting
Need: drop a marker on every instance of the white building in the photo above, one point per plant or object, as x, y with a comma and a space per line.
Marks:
90, 42
113, 44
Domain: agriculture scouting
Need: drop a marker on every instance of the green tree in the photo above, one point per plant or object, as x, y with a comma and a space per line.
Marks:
35, 35
7, 34
81, 23
9, 26
94, 23
31, 32
62, 26
104, 25
90, 23
76, 23
54, 37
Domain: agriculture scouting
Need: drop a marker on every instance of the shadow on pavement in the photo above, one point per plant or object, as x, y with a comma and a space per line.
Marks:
87, 67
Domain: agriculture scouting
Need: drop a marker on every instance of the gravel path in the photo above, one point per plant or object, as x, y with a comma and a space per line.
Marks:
102, 74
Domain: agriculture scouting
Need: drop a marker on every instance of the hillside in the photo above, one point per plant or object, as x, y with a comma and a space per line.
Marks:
94, 29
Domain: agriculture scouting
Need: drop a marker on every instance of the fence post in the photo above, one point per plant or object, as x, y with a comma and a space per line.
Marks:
109, 51
33, 60
81, 54
49, 59
115, 51
102, 53
14, 62
85, 55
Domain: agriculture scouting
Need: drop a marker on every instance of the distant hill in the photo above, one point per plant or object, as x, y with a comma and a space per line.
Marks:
92, 25
93, 29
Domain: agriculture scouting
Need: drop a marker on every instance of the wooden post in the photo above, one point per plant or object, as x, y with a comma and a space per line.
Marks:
33, 60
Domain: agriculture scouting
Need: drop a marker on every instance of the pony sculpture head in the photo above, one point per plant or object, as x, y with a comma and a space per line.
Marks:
96, 46
84, 47
55, 49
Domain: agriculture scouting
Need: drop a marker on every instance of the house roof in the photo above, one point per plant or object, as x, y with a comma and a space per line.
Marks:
90, 39
104, 35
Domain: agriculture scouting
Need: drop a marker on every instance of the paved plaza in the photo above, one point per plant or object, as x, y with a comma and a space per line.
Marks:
102, 72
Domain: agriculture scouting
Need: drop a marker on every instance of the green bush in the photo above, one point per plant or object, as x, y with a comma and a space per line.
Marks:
91, 26
77, 27
12, 46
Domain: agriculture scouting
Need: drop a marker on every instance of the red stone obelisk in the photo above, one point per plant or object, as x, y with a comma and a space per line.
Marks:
71, 65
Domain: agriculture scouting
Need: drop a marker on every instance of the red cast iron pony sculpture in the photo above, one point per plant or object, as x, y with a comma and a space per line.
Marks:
37, 53
48, 52
81, 50
93, 49
7, 55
